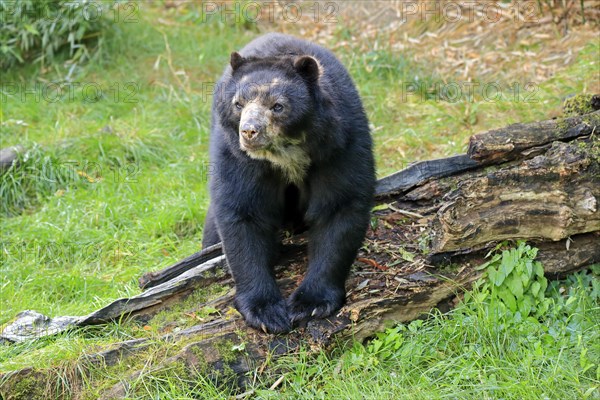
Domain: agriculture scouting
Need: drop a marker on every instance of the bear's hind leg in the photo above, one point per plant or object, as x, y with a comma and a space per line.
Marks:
210, 234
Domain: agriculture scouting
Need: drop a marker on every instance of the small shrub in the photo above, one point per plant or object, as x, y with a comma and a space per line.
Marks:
34, 30
514, 284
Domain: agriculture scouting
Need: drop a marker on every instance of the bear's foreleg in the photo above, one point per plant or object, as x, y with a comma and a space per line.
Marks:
333, 244
251, 250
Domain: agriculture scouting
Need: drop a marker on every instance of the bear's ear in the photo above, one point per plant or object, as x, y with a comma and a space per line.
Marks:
236, 60
308, 68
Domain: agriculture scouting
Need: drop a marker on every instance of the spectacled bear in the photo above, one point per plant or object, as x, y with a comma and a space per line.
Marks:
289, 142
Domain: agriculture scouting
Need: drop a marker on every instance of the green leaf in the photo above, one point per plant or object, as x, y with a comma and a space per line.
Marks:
543, 307
539, 270
529, 268
208, 310
535, 288
507, 298
525, 305
495, 276
544, 282
406, 255
515, 285
538, 349
583, 360
590, 391
31, 29
525, 279
381, 207
508, 262
533, 252
483, 266
494, 260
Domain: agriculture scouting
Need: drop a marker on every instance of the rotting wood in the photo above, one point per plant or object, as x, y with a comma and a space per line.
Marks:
407, 237
150, 279
549, 197
418, 173
507, 143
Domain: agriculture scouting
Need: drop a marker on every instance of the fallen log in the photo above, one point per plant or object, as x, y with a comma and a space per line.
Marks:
549, 197
507, 143
436, 212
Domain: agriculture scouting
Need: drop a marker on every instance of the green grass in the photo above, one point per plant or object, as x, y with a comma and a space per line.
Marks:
532, 344
469, 353
114, 185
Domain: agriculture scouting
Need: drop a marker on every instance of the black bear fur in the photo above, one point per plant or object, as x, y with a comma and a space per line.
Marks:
289, 142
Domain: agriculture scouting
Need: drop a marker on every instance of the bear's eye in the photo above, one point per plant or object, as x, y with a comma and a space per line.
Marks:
238, 105
277, 107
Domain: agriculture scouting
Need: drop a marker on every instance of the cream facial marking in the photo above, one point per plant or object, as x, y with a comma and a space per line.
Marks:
285, 153
253, 111
292, 160
252, 90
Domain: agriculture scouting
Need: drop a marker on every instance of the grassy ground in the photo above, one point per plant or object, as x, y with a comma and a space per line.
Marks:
115, 185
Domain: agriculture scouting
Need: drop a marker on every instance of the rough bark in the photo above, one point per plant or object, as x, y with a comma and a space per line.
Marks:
439, 212
507, 143
549, 197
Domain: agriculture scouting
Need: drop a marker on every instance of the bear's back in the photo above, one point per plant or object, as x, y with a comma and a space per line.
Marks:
278, 44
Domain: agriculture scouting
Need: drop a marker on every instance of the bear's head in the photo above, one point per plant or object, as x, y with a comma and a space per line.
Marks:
270, 104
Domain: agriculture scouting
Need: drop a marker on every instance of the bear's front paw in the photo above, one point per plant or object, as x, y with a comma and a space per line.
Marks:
268, 314
315, 301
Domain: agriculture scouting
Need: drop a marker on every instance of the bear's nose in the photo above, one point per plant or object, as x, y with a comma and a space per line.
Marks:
249, 133
250, 130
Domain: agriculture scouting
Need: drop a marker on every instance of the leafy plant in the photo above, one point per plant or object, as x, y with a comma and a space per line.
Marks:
37, 29
482, 347
515, 283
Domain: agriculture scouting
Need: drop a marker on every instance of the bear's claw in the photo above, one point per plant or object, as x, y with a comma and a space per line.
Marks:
267, 315
318, 302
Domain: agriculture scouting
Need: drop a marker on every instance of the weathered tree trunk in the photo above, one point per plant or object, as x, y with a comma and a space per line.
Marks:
539, 182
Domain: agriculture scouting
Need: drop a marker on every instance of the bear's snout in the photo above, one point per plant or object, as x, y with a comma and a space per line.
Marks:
252, 136
252, 128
